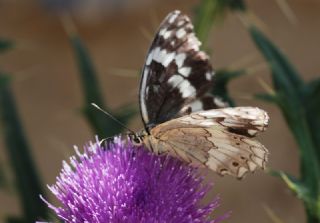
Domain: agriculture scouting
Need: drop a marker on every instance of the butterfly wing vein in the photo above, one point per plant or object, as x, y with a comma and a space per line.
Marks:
182, 118
202, 139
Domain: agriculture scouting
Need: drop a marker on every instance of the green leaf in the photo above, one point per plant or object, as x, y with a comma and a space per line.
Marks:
311, 102
267, 97
285, 77
208, 12
312, 89
296, 186
88, 73
100, 123
291, 98
301, 190
222, 79
28, 183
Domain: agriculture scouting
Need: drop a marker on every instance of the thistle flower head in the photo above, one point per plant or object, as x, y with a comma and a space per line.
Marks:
124, 183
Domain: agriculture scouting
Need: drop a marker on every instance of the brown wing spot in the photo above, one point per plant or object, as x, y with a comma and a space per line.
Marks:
235, 164
188, 111
238, 143
242, 157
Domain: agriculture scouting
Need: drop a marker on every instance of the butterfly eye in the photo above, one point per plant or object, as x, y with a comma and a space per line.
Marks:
137, 140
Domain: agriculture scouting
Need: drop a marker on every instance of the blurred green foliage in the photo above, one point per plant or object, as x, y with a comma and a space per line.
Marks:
221, 82
298, 101
300, 106
3, 178
101, 124
5, 45
209, 12
27, 181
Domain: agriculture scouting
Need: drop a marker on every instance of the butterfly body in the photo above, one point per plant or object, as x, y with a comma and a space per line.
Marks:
182, 118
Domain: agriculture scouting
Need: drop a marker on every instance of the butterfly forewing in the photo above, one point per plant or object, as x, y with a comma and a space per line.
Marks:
182, 119
204, 139
176, 73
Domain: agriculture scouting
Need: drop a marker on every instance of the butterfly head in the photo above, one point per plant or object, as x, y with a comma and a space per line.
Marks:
137, 138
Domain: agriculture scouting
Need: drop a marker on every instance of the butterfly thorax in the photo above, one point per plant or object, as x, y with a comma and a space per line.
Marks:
147, 129
146, 139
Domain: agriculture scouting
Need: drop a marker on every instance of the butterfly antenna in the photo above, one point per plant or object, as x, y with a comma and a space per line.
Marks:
112, 117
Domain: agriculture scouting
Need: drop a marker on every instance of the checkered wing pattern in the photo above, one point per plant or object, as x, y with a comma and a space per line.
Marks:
177, 75
182, 119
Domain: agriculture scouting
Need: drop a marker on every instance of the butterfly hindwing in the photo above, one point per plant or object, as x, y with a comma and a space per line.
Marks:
176, 72
182, 119
209, 138
247, 121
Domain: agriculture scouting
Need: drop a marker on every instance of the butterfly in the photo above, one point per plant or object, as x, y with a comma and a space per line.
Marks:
182, 119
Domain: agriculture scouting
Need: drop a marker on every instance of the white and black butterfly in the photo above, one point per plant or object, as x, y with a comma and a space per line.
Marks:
182, 119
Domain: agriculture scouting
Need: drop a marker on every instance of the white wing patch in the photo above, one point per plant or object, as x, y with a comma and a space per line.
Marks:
204, 139
176, 81
175, 64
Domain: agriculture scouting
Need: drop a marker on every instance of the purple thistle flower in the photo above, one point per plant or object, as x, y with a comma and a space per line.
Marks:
129, 184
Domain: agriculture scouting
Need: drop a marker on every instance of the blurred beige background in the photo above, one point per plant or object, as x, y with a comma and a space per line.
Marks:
48, 91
